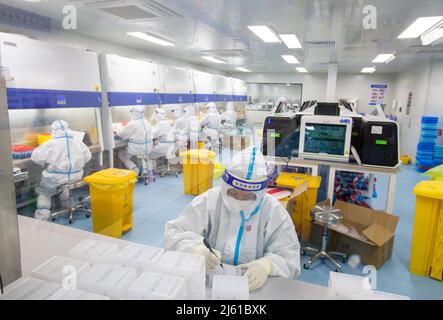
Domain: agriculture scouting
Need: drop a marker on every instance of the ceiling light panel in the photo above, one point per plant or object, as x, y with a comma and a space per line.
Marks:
384, 58
432, 36
301, 70
420, 26
265, 33
368, 70
151, 38
242, 69
289, 58
291, 41
213, 59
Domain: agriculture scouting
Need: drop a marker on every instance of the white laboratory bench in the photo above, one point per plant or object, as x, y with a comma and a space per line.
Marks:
39, 241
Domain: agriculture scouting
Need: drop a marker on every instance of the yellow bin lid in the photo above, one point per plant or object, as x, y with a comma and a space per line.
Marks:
289, 179
430, 189
111, 176
201, 154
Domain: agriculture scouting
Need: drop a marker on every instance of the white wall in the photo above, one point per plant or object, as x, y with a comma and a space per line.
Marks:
425, 81
314, 85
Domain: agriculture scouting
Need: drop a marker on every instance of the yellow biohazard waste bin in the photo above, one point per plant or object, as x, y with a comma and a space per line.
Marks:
112, 201
427, 237
198, 170
287, 179
296, 207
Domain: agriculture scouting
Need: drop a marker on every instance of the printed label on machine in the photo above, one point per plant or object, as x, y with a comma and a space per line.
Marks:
376, 130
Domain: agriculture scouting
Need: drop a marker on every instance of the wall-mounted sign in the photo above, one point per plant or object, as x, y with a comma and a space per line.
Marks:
378, 93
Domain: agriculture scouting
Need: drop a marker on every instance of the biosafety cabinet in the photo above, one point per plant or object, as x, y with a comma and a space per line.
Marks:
204, 87
177, 85
126, 82
46, 82
240, 92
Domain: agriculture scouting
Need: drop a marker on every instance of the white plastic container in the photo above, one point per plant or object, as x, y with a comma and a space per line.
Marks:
156, 286
73, 294
33, 289
139, 257
227, 270
53, 269
189, 266
108, 280
343, 286
230, 288
94, 251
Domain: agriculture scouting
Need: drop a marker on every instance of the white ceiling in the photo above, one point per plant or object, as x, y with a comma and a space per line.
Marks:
219, 28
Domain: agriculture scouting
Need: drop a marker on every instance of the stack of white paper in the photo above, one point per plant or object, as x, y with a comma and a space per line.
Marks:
156, 286
230, 288
189, 266
58, 268
107, 280
94, 251
139, 257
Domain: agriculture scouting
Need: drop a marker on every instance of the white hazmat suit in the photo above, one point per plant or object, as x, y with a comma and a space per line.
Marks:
211, 125
163, 136
256, 233
64, 157
229, 117
139, 136
192, 127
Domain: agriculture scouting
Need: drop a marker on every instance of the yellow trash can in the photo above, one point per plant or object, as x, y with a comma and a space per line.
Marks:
112, 201
288, 179
198, 170
427, 238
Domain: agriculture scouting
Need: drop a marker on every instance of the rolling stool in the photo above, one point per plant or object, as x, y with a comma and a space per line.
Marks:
325, 215
143, 172
169, 171
72, 207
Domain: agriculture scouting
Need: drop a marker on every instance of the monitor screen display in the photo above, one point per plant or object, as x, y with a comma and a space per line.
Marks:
325, 138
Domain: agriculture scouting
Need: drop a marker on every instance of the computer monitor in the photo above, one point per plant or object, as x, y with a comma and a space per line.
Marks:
327, 109
325, 138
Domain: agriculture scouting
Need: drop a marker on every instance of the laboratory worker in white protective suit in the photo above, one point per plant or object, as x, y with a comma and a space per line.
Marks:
179, 127
192, 127
211, 126
163, 135
63, 158
229, 117
139, 135
242, 223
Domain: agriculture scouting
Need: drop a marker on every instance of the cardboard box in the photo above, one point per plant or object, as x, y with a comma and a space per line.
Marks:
374, 241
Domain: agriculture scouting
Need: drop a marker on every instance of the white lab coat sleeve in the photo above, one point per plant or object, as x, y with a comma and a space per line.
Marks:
40, 154
127, 131
186, 231
281, 243
205, 121
86, 153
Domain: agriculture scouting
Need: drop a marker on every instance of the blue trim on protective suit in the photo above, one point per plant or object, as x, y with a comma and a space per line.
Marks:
241, 229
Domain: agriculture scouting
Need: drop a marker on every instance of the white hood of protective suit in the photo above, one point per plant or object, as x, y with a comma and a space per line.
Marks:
248, 166
137, 112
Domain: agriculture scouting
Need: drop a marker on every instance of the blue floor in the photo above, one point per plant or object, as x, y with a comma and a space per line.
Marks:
156, 204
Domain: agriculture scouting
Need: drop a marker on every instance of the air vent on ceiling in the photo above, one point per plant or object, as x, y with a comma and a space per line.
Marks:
319, 44
423, 50
133, 10
234, 53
